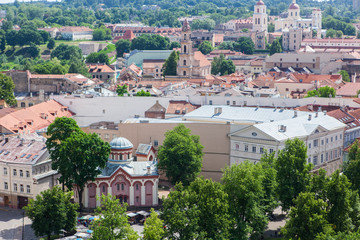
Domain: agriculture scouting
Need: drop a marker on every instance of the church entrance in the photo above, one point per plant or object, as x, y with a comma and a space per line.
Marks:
122, 198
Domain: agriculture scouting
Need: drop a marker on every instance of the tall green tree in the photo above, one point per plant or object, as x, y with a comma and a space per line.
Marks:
77, 156
307, 218
150, 42
222, 66
122, 46
170, 65
275, 47
7, 87
352, 166
51, 211
206, 24
199, 212
113, 223
244, 185
205, 47
180, 156
51, 44
292, 172
2, 40
345, 75
244, 45
102, 33
122, 89
66, 52
97, 58
153, 227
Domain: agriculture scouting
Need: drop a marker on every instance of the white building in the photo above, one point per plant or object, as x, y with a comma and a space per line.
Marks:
25, 169
254, 130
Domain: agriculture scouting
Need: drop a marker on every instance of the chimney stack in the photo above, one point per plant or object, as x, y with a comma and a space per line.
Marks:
148, 170
309, 117
295, 114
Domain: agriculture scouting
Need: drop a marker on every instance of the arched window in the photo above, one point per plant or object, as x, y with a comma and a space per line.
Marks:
184, 73
295, 13
184, 62
185, 49
23, 104
258, 10
291, 13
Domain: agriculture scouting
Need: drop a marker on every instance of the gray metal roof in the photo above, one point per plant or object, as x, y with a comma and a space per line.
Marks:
131, 167
143, 149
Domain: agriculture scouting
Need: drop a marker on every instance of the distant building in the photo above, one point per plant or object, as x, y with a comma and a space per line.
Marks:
53, 32
25, 169
156, 111
133, 182
153, 68
76, 33
91, 47
102, 72
292, 38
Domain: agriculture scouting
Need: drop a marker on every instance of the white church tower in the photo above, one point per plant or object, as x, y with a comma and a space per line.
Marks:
317, 21
260, 18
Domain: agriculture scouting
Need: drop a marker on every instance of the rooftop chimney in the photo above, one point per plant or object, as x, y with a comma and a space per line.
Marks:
295, 114
309, 117
148, 170
316, 114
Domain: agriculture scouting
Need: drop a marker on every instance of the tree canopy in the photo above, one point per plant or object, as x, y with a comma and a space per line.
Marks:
324, 92
102, 33
150, 42
122, 89
244, 45
77, 156
205, 47
345, 75
170, 65
275, 47
51, 211
114, 223
122, 46
222, 66
153, 227
7, 87
180, 156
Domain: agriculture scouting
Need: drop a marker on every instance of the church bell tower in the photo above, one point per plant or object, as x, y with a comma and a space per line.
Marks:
184, 68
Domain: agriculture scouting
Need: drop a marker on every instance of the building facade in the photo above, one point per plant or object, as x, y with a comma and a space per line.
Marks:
134, 182
25, 169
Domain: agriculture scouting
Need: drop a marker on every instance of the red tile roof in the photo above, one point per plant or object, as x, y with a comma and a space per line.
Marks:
34, 118
180, 107
348, 90
99, 68
198, 56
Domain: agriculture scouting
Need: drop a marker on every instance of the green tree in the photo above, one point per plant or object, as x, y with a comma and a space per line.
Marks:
12, 38
206, 24
97, 58
338, 236
330, 33
2, 40
113, 224
122, 46
51, 44
199, 212
345, 75
275, 47
244, 185
101, 34
51, 211
170, 65
244, 45
271, 27
77, 156
150, 42
78, 66
154, 227
174, 45
352, 166
66, 52
307, 218
222, 66
33, 51
180, 156
205, 47
7, 87
324, 92
292, 172
122, 89
142, 93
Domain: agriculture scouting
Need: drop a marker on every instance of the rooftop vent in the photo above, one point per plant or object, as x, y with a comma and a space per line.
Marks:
309, 118
282, 128
295, 114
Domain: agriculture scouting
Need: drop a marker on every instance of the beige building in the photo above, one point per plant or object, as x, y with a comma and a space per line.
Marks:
293, 37
25, 169
216, 153
153, 67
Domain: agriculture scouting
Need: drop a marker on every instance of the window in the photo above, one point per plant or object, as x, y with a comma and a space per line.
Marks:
322, 158
309, 160
122, 187
28, 188
184, 62
309, 145
331, 155
261, 150
340, 136
322, 142
21, 173
246, 148
237, 146
327, 157
156, 143
106, 136
6, 186
14, 172
315, 160
5, 171
327, 141
15, 187
234, 102
118, 187
315, 143
103, 188
27, 174
210, 102
21, 188
137, 199
336, 138
227, 102
184, 73
185, 49
137, 186
254, 149
335, 154
332, 139
271, 150
23, 104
